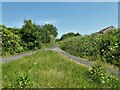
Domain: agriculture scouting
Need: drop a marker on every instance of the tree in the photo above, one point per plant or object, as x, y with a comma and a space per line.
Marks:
51, 29
44, 35
33, 35
30, 34
69, 35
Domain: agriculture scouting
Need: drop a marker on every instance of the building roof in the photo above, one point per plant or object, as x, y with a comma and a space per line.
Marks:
106, 29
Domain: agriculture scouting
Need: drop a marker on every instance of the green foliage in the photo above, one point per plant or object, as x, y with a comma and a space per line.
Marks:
81, 46
103, 47
10, 42
45, 37
100, 75
69, 35
110, 47
29, 37
52, 30
22, 81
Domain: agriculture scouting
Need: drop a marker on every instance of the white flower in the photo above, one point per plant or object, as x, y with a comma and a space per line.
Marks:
102, 50
103, 81
112, 56
111, 48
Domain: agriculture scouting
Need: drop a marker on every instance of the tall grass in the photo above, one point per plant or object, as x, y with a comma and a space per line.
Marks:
45, 69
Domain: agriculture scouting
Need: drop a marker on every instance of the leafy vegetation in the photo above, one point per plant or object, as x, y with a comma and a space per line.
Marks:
29, 37
51, 69
100, 75
52, 30
10, 42
45, 69
102, 47
69, 35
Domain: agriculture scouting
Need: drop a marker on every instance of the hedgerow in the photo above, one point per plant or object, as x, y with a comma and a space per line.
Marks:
101, 76
103, 47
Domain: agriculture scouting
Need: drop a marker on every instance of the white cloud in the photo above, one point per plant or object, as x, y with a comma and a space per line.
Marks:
46, 21
50, 22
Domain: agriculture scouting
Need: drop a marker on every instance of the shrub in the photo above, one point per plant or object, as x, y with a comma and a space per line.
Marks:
103, 47
100, 75
52, 30
10, 42
69, 35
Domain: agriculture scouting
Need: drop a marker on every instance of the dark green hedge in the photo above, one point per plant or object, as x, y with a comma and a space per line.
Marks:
104, 47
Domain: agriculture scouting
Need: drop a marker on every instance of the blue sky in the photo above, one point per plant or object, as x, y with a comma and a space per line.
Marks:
85, 18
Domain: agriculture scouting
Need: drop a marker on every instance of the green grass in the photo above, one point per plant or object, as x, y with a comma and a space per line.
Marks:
45, 69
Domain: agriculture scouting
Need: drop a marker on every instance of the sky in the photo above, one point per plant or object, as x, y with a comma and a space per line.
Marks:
60, 0
81, 17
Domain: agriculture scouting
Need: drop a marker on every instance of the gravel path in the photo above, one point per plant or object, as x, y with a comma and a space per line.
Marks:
55, 48
16, 57
82, 61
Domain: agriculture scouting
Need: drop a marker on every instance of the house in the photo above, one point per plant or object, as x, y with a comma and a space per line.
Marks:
106, 29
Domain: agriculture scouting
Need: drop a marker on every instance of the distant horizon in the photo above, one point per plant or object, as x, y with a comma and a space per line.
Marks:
83, 18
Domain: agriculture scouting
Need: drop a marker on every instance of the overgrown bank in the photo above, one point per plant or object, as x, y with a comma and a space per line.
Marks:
101, 47
50, 69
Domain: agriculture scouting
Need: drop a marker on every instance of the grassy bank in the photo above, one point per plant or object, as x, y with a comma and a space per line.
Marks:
45, 69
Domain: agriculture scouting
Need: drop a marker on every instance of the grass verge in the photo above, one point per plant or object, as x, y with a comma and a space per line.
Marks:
45, 69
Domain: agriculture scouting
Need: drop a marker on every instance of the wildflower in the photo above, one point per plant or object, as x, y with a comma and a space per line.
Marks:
103, 82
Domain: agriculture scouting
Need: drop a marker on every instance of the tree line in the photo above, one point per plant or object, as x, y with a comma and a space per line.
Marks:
30, 37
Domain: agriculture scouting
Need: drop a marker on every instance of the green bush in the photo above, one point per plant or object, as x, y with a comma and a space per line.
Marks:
10, 42
100, 75
29, 37
109, 47
52, 30
103, 47
69, 35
